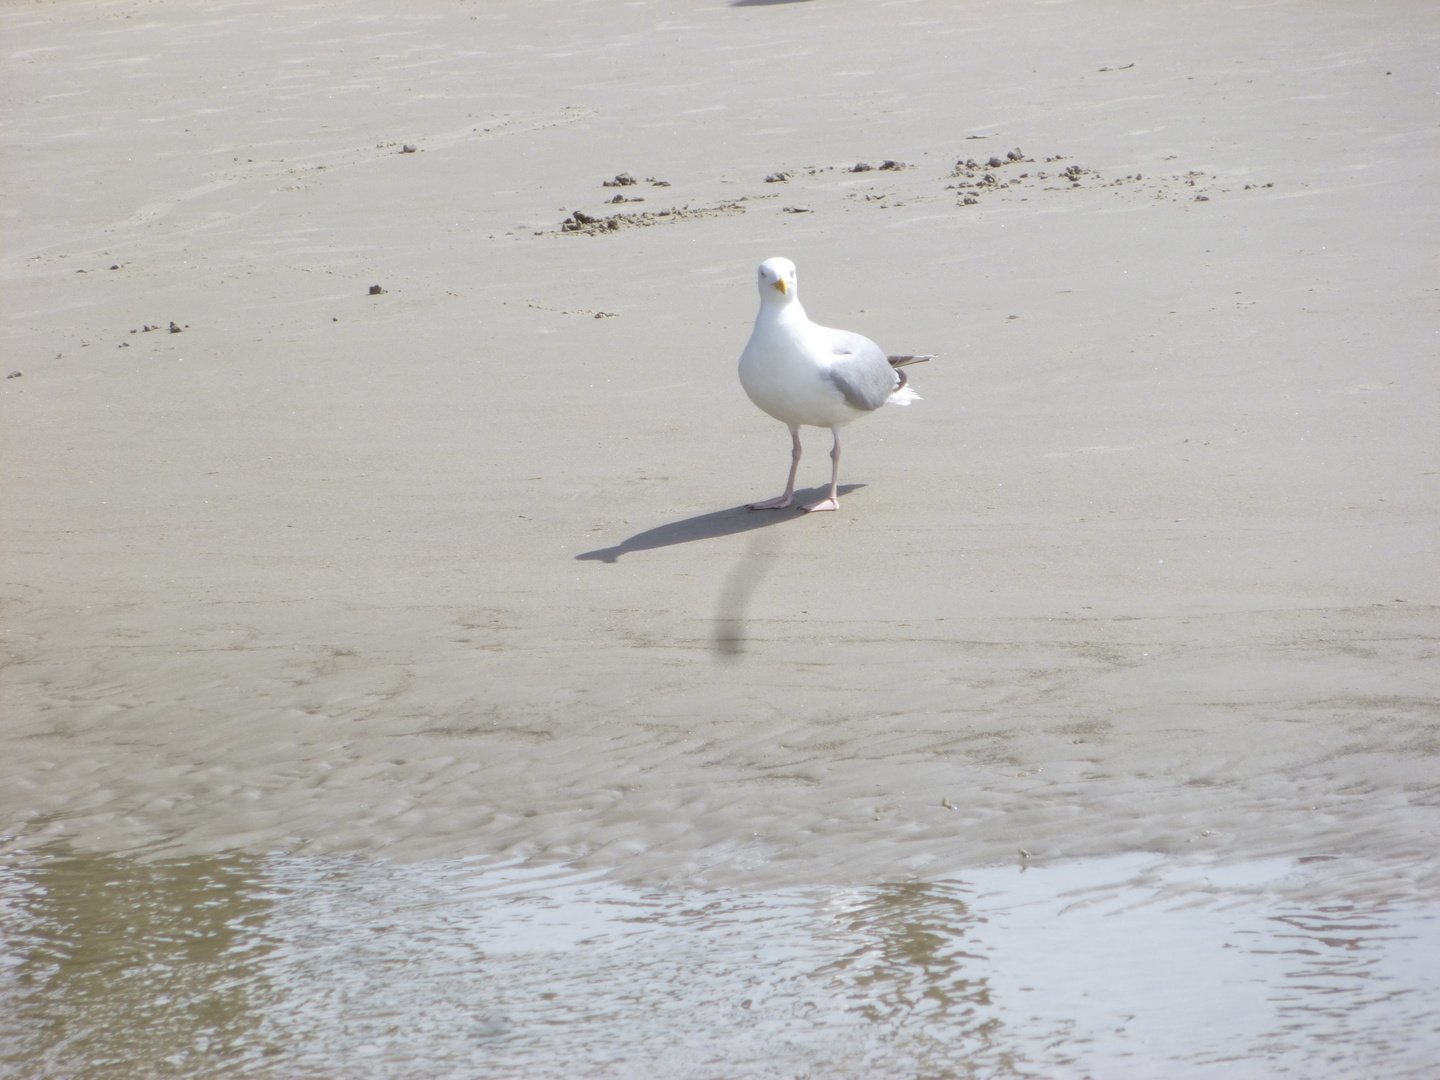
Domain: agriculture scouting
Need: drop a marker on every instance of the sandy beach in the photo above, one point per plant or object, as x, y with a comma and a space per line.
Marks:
375, 465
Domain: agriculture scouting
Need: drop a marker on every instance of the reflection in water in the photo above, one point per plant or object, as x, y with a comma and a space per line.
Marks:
1335, 969
911, 959
303, 967
118, 968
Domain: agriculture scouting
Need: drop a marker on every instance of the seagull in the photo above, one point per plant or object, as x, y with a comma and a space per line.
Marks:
802, 373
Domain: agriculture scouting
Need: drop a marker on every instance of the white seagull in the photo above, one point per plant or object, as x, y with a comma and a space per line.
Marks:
802, 373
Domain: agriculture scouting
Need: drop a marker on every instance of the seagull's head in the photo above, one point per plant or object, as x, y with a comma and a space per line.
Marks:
777, 280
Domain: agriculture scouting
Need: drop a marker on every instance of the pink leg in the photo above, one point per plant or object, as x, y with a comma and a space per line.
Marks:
833, 502
784, 500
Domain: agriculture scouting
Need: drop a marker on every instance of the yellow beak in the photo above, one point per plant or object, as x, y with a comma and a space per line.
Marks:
781, 285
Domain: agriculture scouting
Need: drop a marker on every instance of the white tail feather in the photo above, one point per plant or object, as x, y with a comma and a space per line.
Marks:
903, 396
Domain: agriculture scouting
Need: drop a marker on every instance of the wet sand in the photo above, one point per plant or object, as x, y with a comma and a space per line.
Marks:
357, 506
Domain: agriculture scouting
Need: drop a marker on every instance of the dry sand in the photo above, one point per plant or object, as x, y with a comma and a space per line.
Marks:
461, 568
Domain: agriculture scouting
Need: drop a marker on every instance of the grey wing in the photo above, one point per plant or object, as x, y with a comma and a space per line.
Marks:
861, 371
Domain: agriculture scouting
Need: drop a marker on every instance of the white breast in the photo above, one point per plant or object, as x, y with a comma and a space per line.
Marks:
783, 372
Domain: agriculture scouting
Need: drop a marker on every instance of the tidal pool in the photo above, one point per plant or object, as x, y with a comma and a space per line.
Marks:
296, 967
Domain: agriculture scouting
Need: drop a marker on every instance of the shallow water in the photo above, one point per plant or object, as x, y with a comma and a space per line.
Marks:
1131, 966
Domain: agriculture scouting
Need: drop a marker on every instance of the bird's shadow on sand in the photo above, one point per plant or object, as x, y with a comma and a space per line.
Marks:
728, 522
